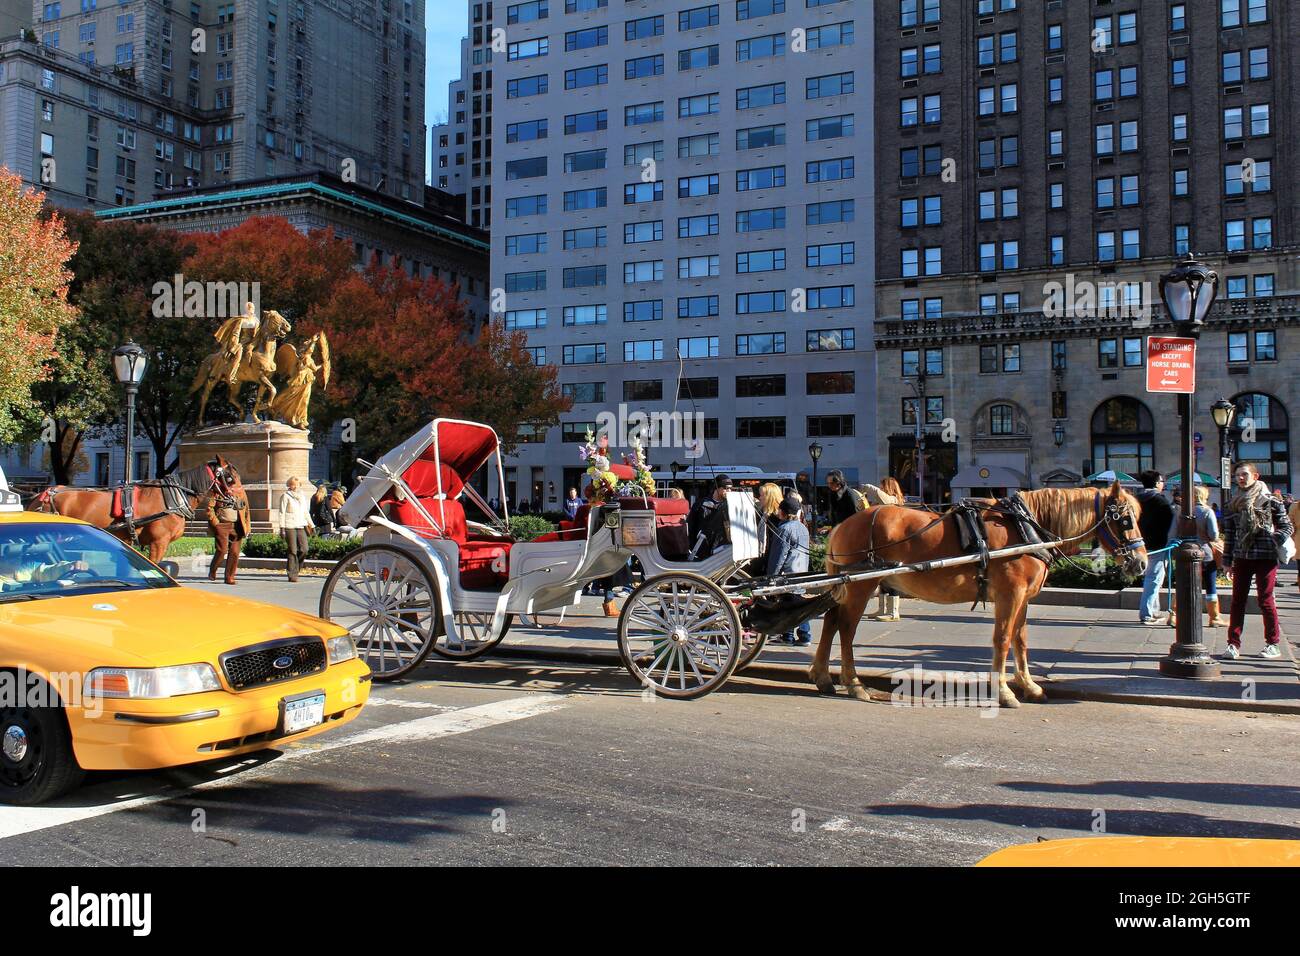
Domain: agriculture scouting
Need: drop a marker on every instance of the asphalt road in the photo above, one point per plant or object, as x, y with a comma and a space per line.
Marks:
502, 762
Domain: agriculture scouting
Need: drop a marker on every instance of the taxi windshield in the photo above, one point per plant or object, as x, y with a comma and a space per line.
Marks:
55, 560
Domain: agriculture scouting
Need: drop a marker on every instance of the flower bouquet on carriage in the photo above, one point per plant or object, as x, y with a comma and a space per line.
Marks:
610, 481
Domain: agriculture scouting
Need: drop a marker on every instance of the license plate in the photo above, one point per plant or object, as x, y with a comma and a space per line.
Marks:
302, 713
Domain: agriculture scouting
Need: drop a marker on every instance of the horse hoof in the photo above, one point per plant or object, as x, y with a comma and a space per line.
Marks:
1036, 695
1007, 699
824, 683
858, 692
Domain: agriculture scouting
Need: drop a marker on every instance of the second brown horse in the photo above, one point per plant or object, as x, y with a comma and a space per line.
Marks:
909, 535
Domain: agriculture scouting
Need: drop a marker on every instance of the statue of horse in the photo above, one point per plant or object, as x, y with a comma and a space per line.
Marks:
907, 535
256, 365
159, 508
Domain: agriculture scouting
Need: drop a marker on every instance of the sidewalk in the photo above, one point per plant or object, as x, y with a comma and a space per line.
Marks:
1075, 652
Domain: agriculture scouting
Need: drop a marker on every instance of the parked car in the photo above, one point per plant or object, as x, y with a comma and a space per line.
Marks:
106, 663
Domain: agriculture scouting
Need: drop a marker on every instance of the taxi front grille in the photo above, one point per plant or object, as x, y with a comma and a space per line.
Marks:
273, 662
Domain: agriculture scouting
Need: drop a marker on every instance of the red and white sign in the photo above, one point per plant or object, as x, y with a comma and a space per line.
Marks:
1171, 364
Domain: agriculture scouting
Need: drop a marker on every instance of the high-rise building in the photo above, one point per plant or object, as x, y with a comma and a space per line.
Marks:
1041, 165
685, 226
117, 103
462, 146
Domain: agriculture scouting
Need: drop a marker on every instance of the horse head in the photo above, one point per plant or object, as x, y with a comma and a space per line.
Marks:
1117, 529
274, 325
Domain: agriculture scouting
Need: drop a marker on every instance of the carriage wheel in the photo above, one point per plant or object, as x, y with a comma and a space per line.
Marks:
753, 644
389, 603
679, 635
752, 641
472, 629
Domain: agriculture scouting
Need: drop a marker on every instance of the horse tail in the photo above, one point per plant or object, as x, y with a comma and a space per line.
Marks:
44, 502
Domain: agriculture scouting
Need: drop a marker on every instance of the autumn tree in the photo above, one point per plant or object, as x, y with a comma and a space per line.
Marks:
34, 306
115, 271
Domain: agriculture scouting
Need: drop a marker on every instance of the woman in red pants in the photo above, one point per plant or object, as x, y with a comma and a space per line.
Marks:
1253, 526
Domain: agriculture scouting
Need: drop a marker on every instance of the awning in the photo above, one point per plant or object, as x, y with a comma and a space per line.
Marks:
988, 476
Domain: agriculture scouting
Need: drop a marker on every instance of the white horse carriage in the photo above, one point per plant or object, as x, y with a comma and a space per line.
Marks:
427, 579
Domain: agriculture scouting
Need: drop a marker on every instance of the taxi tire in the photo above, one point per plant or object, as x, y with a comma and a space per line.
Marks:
59, 771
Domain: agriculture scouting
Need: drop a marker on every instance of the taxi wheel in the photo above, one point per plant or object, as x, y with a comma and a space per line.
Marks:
36, 761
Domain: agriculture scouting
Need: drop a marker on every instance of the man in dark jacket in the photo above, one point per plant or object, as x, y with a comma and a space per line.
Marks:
707, 521
845, 502
1154, 522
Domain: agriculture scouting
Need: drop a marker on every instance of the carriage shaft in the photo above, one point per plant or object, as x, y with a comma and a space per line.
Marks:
834, 580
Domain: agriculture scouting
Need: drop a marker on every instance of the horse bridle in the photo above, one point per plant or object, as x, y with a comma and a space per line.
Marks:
1121, 546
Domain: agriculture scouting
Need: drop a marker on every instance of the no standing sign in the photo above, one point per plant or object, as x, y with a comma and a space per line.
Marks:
1171, 364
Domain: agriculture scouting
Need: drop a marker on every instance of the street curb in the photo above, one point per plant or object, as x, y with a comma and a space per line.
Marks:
881, 679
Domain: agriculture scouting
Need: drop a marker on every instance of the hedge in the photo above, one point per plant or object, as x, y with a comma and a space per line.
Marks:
528, 527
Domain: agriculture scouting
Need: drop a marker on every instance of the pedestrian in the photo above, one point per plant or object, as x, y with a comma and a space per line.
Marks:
787, 553
707, 521
889, 604
1253, 534
572, 503
845, 502
295, 522
1207, 536
676, 494
321, 515
1154, 520
341, 528
229, 523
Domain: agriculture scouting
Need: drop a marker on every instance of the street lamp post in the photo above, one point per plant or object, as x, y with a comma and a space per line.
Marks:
1188, 292
129, 362
815, 452
1223, 411
676, 468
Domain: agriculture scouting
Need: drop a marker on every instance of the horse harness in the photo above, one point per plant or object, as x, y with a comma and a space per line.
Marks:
175, 495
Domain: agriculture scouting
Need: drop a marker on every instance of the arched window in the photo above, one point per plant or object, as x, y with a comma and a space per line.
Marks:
1001, 420
1123, 436
1263, 420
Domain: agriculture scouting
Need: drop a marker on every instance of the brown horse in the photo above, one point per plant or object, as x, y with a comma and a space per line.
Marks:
908, 535
157, 521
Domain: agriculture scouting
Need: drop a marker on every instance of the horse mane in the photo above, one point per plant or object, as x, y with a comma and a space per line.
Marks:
1065, 512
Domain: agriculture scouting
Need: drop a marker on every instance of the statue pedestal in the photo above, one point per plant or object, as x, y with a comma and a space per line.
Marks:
265, 455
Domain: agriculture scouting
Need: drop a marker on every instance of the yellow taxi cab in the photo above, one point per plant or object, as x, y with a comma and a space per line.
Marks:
106, 663
1127, 851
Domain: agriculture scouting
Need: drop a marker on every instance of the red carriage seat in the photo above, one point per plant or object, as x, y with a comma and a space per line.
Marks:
477, 555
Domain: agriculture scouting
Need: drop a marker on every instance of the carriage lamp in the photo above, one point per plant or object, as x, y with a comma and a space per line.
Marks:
1058, 434
1188, 292
129, 362
1223, 412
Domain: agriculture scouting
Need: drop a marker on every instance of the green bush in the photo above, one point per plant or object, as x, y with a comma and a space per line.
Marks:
1078, 572
318, 548
186, 547
528, 527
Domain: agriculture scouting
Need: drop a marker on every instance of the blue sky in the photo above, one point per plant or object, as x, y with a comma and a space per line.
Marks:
446, 22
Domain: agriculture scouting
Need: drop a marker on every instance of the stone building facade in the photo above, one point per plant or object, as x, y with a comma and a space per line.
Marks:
1048, 158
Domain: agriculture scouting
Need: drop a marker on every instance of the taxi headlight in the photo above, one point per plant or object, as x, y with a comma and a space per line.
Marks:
341, 648
155, 683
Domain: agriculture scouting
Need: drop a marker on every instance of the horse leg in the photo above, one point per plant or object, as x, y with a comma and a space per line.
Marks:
1004, 614
820, 672
1024, 680
850, 613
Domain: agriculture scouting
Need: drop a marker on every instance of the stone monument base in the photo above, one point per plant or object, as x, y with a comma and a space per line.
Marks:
266, 454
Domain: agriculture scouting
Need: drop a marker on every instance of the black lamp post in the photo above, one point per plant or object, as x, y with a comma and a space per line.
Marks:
815, 452
129, 362
1188, 292
1224, 412
676, 468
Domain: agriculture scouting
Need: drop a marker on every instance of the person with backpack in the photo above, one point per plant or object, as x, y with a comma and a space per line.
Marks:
1256, 532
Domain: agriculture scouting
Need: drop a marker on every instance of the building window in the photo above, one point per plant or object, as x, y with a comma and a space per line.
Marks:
1001, 420
1123, 436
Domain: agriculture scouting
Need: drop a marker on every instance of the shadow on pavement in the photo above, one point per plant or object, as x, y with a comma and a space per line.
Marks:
1234, 794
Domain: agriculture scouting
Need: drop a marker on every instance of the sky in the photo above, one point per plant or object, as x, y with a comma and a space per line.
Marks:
446, 23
